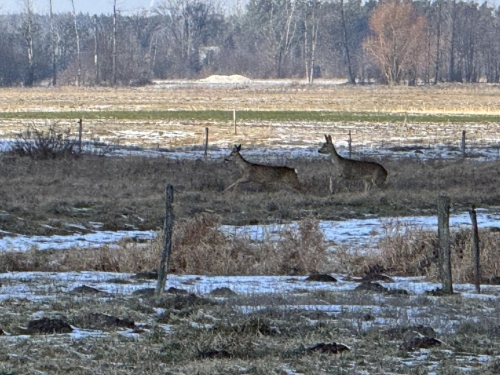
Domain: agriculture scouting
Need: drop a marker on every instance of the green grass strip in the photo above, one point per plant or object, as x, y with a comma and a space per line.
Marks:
275, 116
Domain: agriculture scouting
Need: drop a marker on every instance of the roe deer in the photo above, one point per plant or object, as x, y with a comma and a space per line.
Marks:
351, 170
262, 174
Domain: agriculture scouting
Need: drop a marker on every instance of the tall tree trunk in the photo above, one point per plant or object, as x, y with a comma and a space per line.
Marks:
451, 73
30, 77
314, 38
438, 41
78, 57
345, 41
113, 69
306, 51
96, 60
54, 45
284, 43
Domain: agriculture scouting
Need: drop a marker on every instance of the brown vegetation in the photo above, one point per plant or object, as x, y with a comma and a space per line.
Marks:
199, 248
398, 40
415, 253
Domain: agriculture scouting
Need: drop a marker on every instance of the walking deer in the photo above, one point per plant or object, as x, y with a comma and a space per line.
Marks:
353, 170
262, 174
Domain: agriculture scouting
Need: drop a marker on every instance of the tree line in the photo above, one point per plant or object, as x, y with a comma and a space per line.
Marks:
391, 41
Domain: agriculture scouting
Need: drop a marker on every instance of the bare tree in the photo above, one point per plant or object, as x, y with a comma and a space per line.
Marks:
397, 33
96, 57
438, 40
78, 57
28, 33
189, 26
53, 39
113, 69
275, 28
285, 40
312, 12
345, 42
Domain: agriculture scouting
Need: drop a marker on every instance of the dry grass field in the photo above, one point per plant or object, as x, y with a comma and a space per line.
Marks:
252, 332
284, 95
127, 115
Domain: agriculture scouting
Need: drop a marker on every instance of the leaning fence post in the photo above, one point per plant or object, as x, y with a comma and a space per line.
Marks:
444, 243
80, 128
167, 245
206, 142
350, 144
475, 242
463, 144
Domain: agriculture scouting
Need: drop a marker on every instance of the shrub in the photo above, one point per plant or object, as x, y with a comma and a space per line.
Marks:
44, 144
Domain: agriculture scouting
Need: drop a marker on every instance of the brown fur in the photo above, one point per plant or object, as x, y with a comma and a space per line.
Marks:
262, 174
347, 169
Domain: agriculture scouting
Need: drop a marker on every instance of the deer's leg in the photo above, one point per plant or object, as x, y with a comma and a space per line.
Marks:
236, 183
367, 185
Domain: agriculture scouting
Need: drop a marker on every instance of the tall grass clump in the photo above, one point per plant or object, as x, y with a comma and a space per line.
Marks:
411, 251
200, 247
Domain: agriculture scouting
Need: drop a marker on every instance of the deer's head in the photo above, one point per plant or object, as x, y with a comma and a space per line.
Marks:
235, 151
327, 147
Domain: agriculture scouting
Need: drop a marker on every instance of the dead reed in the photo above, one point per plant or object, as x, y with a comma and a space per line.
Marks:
412, 251
199, 248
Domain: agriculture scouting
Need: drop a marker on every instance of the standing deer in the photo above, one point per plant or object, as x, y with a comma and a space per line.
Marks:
262, 174
351, 170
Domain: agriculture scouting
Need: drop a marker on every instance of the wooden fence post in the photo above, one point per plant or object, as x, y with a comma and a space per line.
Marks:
234, 120
80, 128
350, 144
167, 245
475, 243
444, 243
206, 142
463, 144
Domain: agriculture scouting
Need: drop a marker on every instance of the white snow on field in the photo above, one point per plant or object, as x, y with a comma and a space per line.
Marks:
359, 235
283, 148
203, 285
363, 234
58, 242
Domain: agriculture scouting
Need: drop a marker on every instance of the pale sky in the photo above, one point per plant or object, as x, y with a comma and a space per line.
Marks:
106, 6
84, 6
99, 6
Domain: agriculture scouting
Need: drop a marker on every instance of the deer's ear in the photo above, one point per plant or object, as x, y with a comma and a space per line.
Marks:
326, 137
238, 147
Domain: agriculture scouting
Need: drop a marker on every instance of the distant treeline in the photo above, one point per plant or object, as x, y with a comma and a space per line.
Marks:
391, 41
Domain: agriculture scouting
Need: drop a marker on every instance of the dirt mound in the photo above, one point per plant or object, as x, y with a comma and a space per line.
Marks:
84, 289
223, 292
103, 321
235, 78
46, 326
332, 348
420, 343
322, 278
